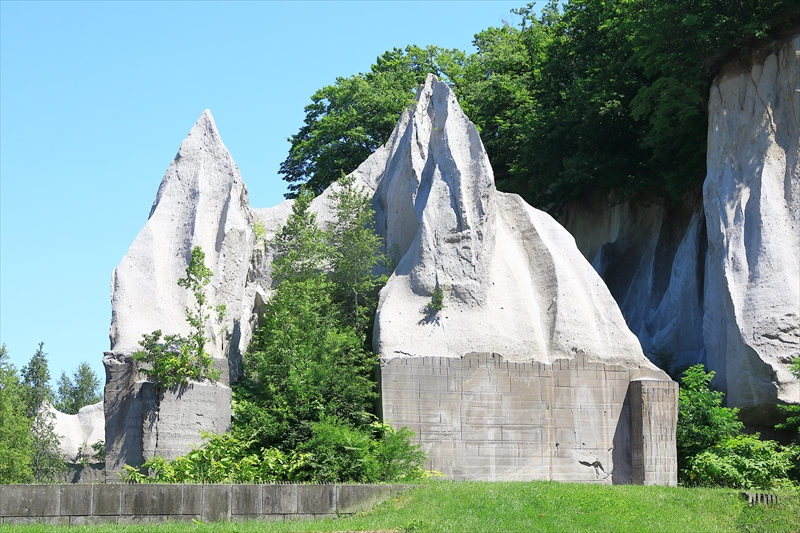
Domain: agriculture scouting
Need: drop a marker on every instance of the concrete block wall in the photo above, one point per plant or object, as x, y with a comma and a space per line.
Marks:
480, 417
142, 504
654, 456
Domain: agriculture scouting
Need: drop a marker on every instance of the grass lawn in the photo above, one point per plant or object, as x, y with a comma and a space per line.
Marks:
441, 506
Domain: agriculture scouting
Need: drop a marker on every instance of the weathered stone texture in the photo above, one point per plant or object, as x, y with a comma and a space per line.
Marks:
752, 204
482, 417
654, 416
716, 279
142, 425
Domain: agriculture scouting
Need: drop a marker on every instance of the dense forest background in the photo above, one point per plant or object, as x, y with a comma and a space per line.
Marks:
583, 98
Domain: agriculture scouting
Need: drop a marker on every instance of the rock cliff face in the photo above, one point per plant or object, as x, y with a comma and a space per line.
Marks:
201, 201
653, 262
751, 197
513, 280
528, 370
717, 279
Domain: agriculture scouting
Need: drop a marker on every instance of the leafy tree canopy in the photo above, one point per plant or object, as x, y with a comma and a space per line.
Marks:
16, 442
587, 97
347, 121
79, 391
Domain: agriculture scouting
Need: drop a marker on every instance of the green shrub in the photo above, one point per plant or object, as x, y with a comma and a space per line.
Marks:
743, 462
340, 453
702, 421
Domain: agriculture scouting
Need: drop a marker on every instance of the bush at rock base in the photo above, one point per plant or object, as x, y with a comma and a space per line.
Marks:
712, 451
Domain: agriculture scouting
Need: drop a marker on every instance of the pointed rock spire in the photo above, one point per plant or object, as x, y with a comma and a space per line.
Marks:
512, 279
202, 201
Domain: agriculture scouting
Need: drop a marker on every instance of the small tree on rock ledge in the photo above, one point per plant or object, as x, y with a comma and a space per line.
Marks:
177, 359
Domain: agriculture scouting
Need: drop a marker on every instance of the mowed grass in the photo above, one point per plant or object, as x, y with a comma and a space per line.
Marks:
441, 506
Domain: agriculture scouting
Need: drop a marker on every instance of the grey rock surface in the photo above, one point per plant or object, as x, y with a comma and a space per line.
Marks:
481, 417
716, 280
141, 423
653, 261
513, 281
752, 205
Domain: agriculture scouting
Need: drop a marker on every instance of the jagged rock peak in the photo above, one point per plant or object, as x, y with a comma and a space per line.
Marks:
202, 201
513, 281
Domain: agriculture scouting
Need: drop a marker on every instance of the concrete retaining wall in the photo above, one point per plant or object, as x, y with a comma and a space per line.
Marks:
137, 504
482, 418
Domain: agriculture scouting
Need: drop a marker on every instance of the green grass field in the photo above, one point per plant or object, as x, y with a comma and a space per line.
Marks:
441, 506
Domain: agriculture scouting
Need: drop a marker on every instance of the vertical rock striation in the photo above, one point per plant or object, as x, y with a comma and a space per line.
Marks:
202, 201
716, 280
751, 197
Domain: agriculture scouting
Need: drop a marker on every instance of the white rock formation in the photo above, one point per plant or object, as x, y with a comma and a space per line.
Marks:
514, 282
752, 206
529, 371
719, 283
202, 201
79, 432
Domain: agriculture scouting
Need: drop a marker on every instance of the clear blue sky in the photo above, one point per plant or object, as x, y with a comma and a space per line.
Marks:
96, 97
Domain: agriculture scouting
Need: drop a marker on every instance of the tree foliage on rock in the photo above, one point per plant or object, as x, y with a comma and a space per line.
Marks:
303, 410
175, 359
345, 122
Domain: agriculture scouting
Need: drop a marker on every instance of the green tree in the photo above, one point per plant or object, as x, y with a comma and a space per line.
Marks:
79, 391
702, 420
306, 357
345, 122
681, 46
175, 360
300, 247
792, 412
792, 423
302, 411
16, 442
711, 449
47, 461
35, 382
354, 249
593, 96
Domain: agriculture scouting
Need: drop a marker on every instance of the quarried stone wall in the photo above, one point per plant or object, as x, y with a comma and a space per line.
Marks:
140, 425
481, 417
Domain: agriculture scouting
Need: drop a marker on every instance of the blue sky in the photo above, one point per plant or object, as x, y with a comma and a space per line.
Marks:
96, 97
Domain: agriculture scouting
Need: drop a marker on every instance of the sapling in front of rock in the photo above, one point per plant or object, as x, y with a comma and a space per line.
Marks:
175, 359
